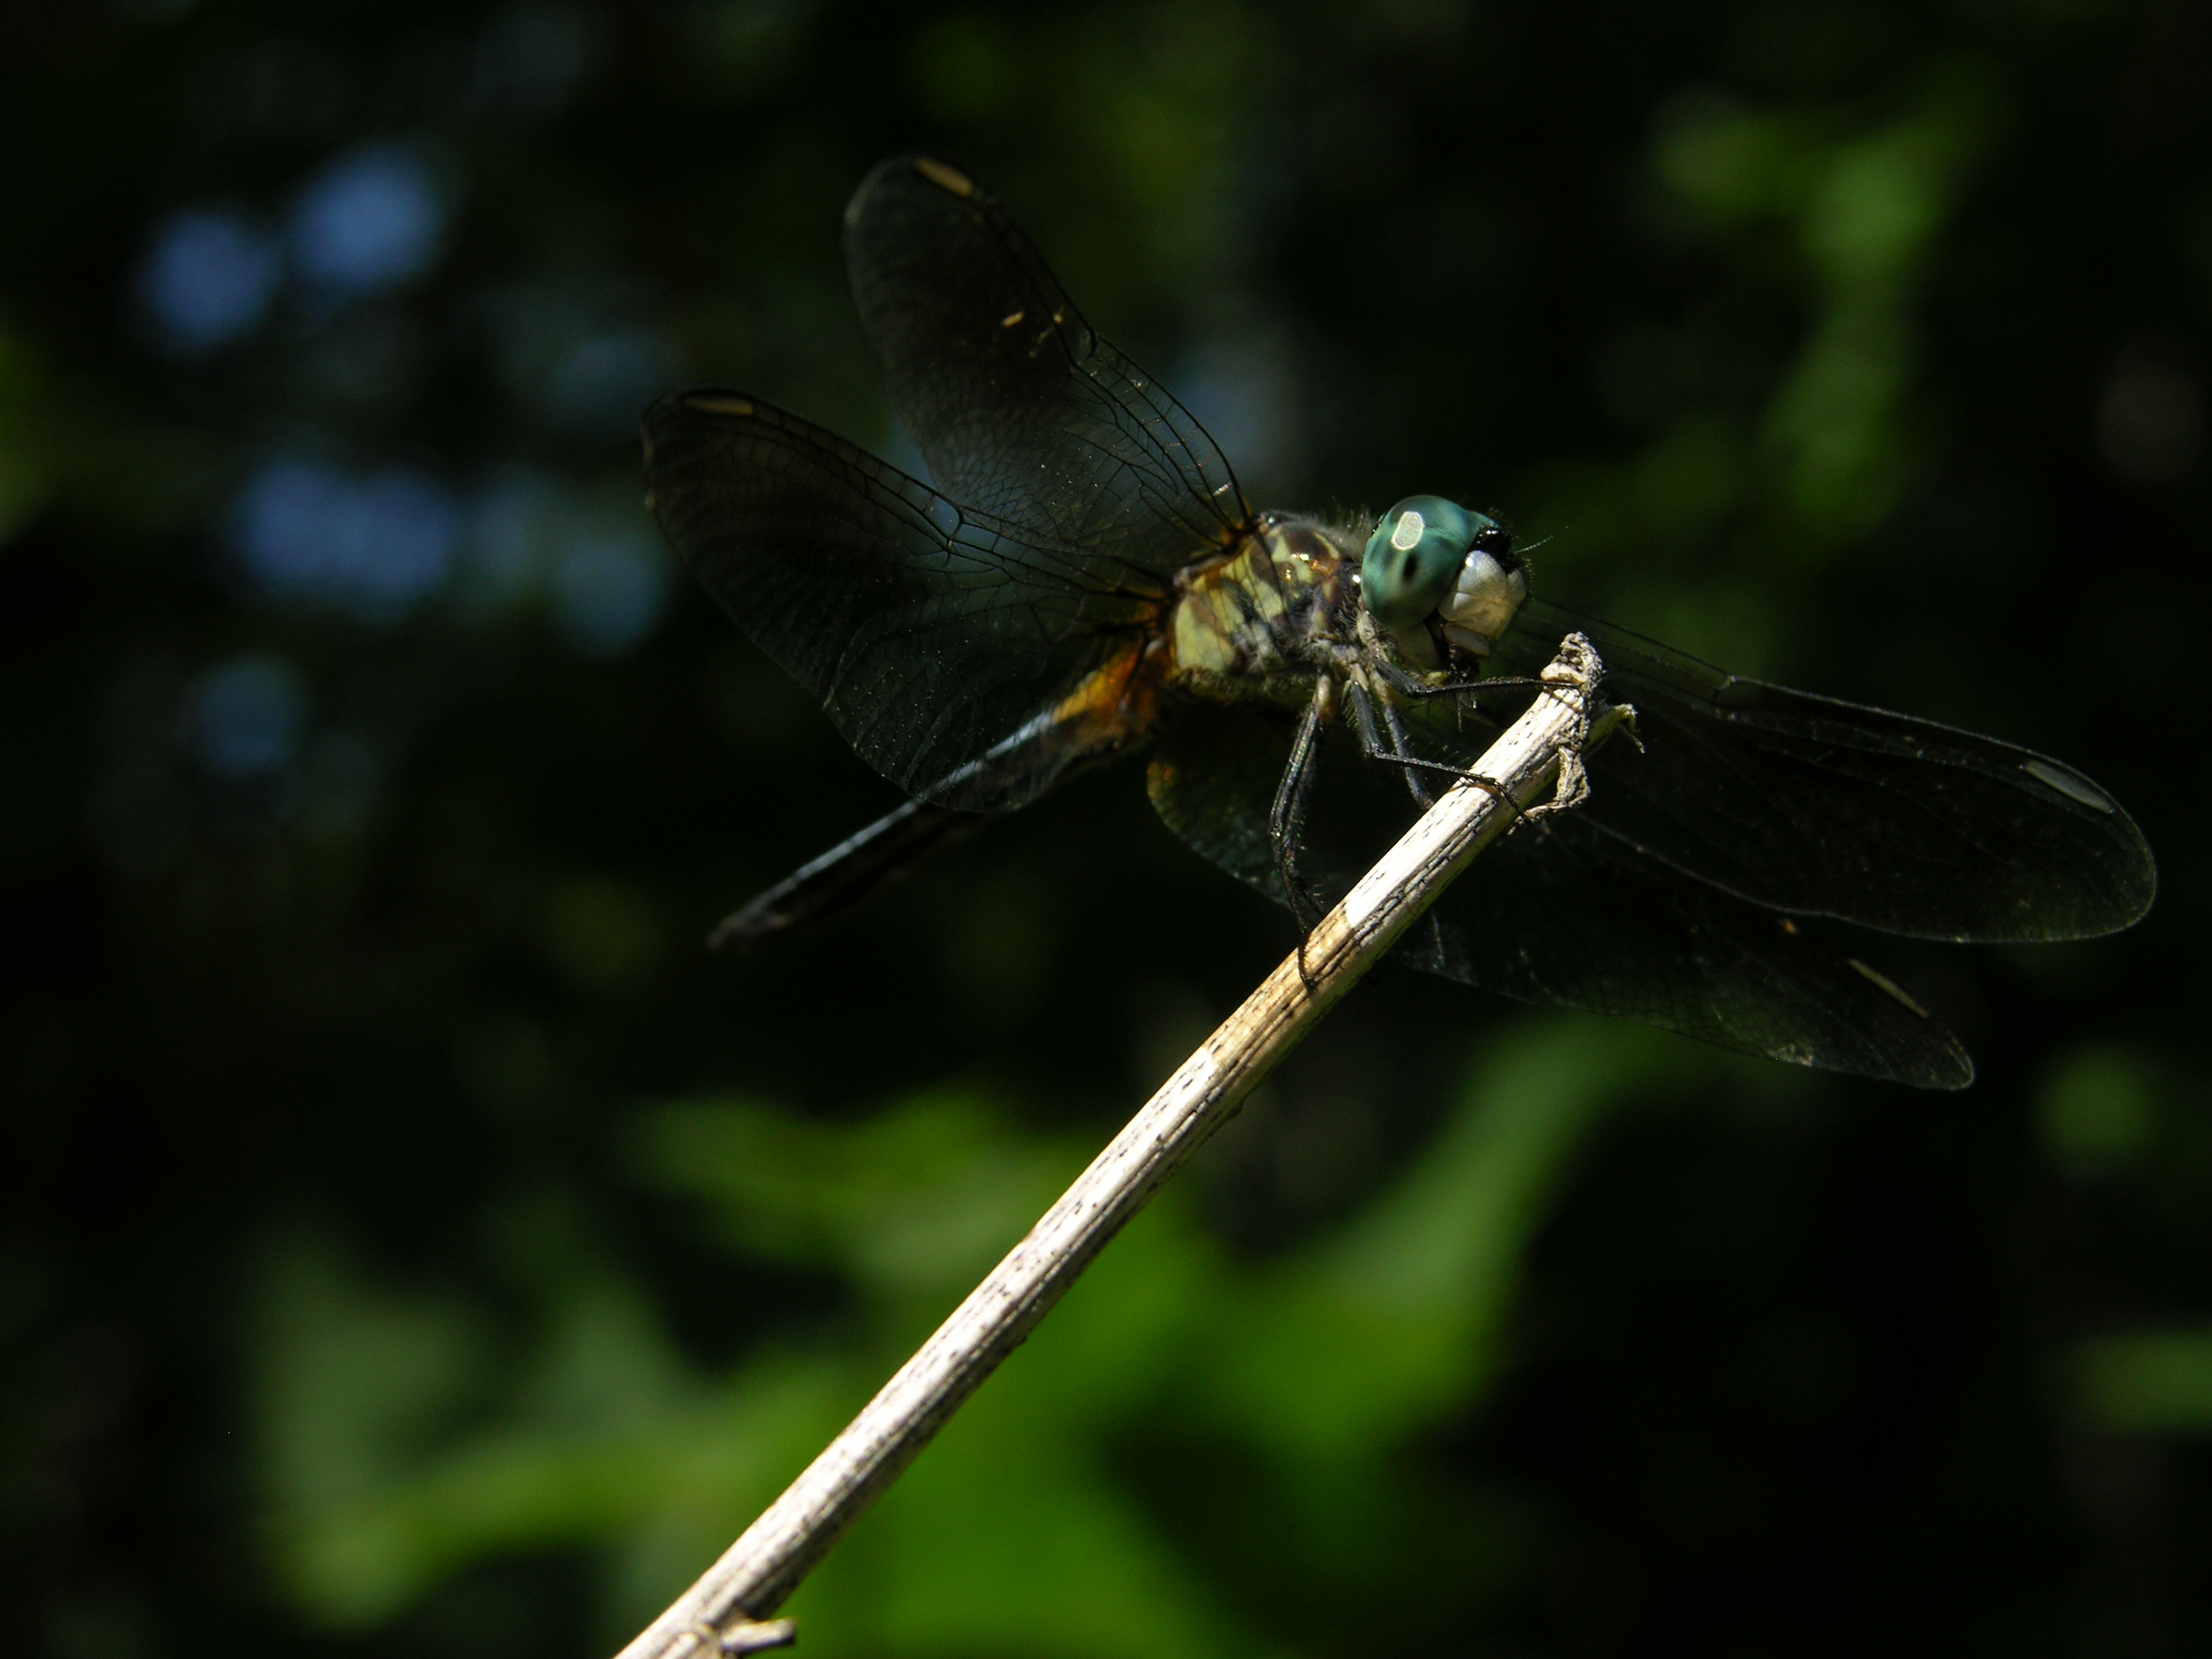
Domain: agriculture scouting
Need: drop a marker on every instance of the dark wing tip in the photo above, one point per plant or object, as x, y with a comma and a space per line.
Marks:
2133, 873
1894, 1038
1951, 1070
710, 400
673, 427
954, 181
712, 404
2138, 888
2135, 881
1941, 1066
1954, 1073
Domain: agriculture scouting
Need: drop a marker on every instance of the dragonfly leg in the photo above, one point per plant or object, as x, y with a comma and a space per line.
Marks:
1363, 721
1372, 745
1410, 769
1416, 785
1408, 685
1287, 821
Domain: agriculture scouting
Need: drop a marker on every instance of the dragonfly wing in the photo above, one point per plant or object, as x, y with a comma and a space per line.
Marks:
1022, 411
969, 662
1557, 912
1824, 808
1573, 915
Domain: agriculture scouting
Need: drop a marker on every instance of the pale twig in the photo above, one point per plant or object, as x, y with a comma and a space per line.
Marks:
725, 1611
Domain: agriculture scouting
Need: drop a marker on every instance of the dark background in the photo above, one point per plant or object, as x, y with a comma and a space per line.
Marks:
412, 1241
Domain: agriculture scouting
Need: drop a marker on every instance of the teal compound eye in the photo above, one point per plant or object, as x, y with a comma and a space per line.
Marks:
1413, 558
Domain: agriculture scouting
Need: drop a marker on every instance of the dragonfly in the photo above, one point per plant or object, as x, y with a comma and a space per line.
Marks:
1082, 577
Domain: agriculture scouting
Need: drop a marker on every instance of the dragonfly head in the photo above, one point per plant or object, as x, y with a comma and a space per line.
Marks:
1429, 556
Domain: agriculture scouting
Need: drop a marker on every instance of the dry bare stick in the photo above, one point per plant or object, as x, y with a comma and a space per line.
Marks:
722, 1612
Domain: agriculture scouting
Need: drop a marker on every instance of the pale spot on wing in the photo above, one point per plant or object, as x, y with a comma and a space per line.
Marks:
1011, 318
718, 402
2069, 784
944, 177
1882, 981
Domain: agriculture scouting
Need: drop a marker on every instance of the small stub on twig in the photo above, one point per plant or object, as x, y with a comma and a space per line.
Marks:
745, 1636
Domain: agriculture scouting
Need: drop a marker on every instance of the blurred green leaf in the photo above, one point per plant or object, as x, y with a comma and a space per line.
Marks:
2149, 1382
600, 931
923, 1197
1325, 1366
2099, 1108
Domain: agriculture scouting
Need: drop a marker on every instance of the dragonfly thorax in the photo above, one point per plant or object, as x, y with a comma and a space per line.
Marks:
1263, 618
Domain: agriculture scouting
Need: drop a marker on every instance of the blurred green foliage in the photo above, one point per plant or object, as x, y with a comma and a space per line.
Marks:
2150, 1380
394, 1462
414, 1242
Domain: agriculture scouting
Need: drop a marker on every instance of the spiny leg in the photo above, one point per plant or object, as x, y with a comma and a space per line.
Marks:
1394, 729
1410, 769
1371, 745
1410, 685
1287, 821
